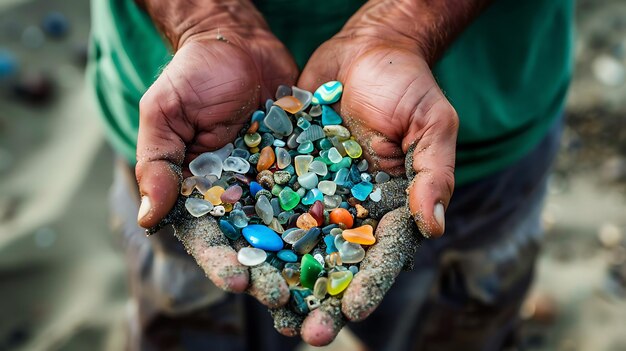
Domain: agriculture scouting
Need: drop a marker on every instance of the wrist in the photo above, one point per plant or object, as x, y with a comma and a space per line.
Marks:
181, 21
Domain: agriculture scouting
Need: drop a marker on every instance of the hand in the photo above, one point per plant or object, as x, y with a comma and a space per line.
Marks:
201, 100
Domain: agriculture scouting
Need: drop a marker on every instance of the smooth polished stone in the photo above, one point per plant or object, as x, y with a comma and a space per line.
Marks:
350, 252
301, 163
283, 159
363, 235
340, 132
266, 160
206, 164
338, 282
382, 177
312, 196
315, 111
376, 195
291, 273
262, 237
330, 117
292, 235
309, 271
353, 269
198, 207
308, 241
289, 104
334, 156
344, 163
250, 256
264, 210
341, 216
317, 212
306, 221
232, 194
278, 121
328, 93
331, 201
255, 188
214, 195
238, 218
236, 164
362, 190
288, 199
327, 187
341, 177
306, 147
330, 244
353, 149
281, 177
218, 211
287, 256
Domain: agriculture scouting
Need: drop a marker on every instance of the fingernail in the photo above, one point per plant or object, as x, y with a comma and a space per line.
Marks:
145, 207
440, 216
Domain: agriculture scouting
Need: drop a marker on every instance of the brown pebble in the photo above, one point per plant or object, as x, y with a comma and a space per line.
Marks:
361, 212
253, 127
266, 179
352, 201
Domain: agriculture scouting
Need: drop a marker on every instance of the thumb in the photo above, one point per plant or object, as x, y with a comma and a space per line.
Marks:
160, 154
322, 67
430, 165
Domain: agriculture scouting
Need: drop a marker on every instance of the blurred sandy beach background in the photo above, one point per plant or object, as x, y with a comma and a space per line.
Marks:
62, 284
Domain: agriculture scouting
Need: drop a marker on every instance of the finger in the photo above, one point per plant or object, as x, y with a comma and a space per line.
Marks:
160, 153
323, 324
204, 240
286, 321
430, 163
268, 286
396, 243
322, 67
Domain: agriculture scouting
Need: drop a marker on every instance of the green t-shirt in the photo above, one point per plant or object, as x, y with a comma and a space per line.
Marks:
506, 75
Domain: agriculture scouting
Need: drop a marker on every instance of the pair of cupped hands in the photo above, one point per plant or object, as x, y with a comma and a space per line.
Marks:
391, 104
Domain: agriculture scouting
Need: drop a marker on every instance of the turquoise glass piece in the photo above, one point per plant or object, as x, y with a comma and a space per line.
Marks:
287, 256
330, 244
325, 144
308, 180
306, 147
328, 93
361, 190
303, 123
312, 196
341, 177
344, 163
330, 117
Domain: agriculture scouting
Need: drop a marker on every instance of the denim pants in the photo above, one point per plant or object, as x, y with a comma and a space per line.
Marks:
463, 294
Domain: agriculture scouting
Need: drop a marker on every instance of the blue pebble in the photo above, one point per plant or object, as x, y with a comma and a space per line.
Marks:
262, 237
344, 205
362, 190
326, 230
330, 117
255, 188
229, 230
55, 24
341, 177
287, 256
290, 169
355, 174
279, 143
330, 244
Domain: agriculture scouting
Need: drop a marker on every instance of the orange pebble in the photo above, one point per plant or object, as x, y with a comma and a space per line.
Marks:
306, 221
289, 104
214, 194
253, 127
341, 215
266, 159
363, 235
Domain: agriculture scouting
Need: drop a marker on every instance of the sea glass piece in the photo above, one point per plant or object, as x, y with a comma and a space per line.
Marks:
266, 160
309, 271
262, 237
311, 196
308, 180
303, 123
278, 122
282, 91
363, 235
362, 190
252, 140
232, 194
198, 207
308, 241
229, 230
313, 133
283, 159
281, 177
341, 216
353, 149
330, 117
328, 93
332, 201
301, 163
292, 235
238, 218
344, 163
298, 300
327, 187
318, 167
291, 273
289, 104
319, 289
376, 195
225, 151
214, 195
236, 164
206, 164
317, 212
287, 256
306, 221
334, 156
264, 210
340, 132
288, 199
381, 177
306, 147
330, 244
350, 252
338, 282
303, 96
315, 110
250, 256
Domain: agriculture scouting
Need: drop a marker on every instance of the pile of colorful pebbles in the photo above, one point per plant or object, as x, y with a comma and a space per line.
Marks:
293, 184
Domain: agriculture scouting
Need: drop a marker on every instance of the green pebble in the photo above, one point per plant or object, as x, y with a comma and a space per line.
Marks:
344, 163
288, 199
